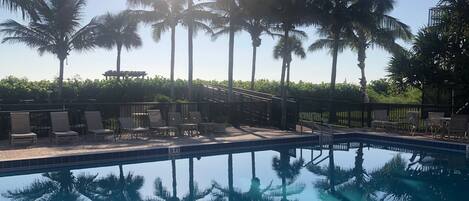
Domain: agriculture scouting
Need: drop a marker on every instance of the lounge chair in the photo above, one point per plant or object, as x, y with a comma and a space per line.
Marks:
95, 126
158, 124
381, 120
434, 122
185, 128
128, 125
21, 129
458, 126
411, 122
206, 127
61, 128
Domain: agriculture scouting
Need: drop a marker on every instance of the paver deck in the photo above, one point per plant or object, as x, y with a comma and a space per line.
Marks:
46, 149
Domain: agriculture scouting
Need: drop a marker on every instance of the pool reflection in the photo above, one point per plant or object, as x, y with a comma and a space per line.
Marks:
328, 173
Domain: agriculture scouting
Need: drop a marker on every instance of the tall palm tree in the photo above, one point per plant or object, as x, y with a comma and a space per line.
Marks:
377, 29
295, 46
334, 22
56, 31
228, 22
117, 31
165, 15
25, 6
287, 14
56, 186
254, 21
195, 18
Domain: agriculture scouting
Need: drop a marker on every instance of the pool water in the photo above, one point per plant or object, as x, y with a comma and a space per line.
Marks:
351, 171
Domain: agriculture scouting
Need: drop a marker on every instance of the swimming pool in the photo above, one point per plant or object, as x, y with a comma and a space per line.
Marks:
345, 171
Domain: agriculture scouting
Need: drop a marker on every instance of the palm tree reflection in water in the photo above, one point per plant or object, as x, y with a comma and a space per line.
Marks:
288, 172
56, 186
162, 194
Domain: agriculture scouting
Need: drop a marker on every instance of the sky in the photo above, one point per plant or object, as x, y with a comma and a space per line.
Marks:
210, 57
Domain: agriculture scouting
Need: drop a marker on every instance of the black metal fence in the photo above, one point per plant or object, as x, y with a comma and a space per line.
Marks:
359, 115
235, 113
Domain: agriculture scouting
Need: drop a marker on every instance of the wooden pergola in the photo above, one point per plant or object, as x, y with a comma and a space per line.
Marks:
125, 74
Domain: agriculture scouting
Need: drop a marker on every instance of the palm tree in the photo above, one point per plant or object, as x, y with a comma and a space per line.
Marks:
165, 15
295, 46
117, 31
56, 186
119, 188
56, 31
194, 192
334, 21
25, 6
228, 21
195, 18
287, 14
253, 20
377, 29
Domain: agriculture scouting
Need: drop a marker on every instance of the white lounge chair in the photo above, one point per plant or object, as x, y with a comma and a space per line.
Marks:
21, 129
61, 128
94, 123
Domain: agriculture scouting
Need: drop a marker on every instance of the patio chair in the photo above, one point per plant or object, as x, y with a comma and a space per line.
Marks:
185, 128
94, 123
61, 128
411, 121
158, 124
21, 129
128, 125
434, 122
458, 126
204, 127
381, 120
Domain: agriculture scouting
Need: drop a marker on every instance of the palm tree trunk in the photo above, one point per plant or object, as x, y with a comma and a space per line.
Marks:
331, 169
361, 65
230, 177
173, 48
190, 33
253, 164
283, 94
335, 53
118, 64
173, 170
61, 78
288, 76
230, 62
191, 179
253, 75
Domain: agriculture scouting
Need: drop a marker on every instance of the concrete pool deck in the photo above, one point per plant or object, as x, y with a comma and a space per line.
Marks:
45, 149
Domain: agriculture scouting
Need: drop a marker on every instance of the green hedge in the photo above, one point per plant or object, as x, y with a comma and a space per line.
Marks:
14, 89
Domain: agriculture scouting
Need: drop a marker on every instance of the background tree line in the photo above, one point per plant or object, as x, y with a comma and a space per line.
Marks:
16, 90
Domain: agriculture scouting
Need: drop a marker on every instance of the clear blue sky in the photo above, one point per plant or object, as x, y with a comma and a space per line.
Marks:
210, 57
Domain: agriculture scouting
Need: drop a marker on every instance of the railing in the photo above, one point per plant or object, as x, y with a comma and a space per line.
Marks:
235, 113
358, 115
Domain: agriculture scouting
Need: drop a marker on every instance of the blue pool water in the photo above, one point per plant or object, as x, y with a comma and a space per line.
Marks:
352, 171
